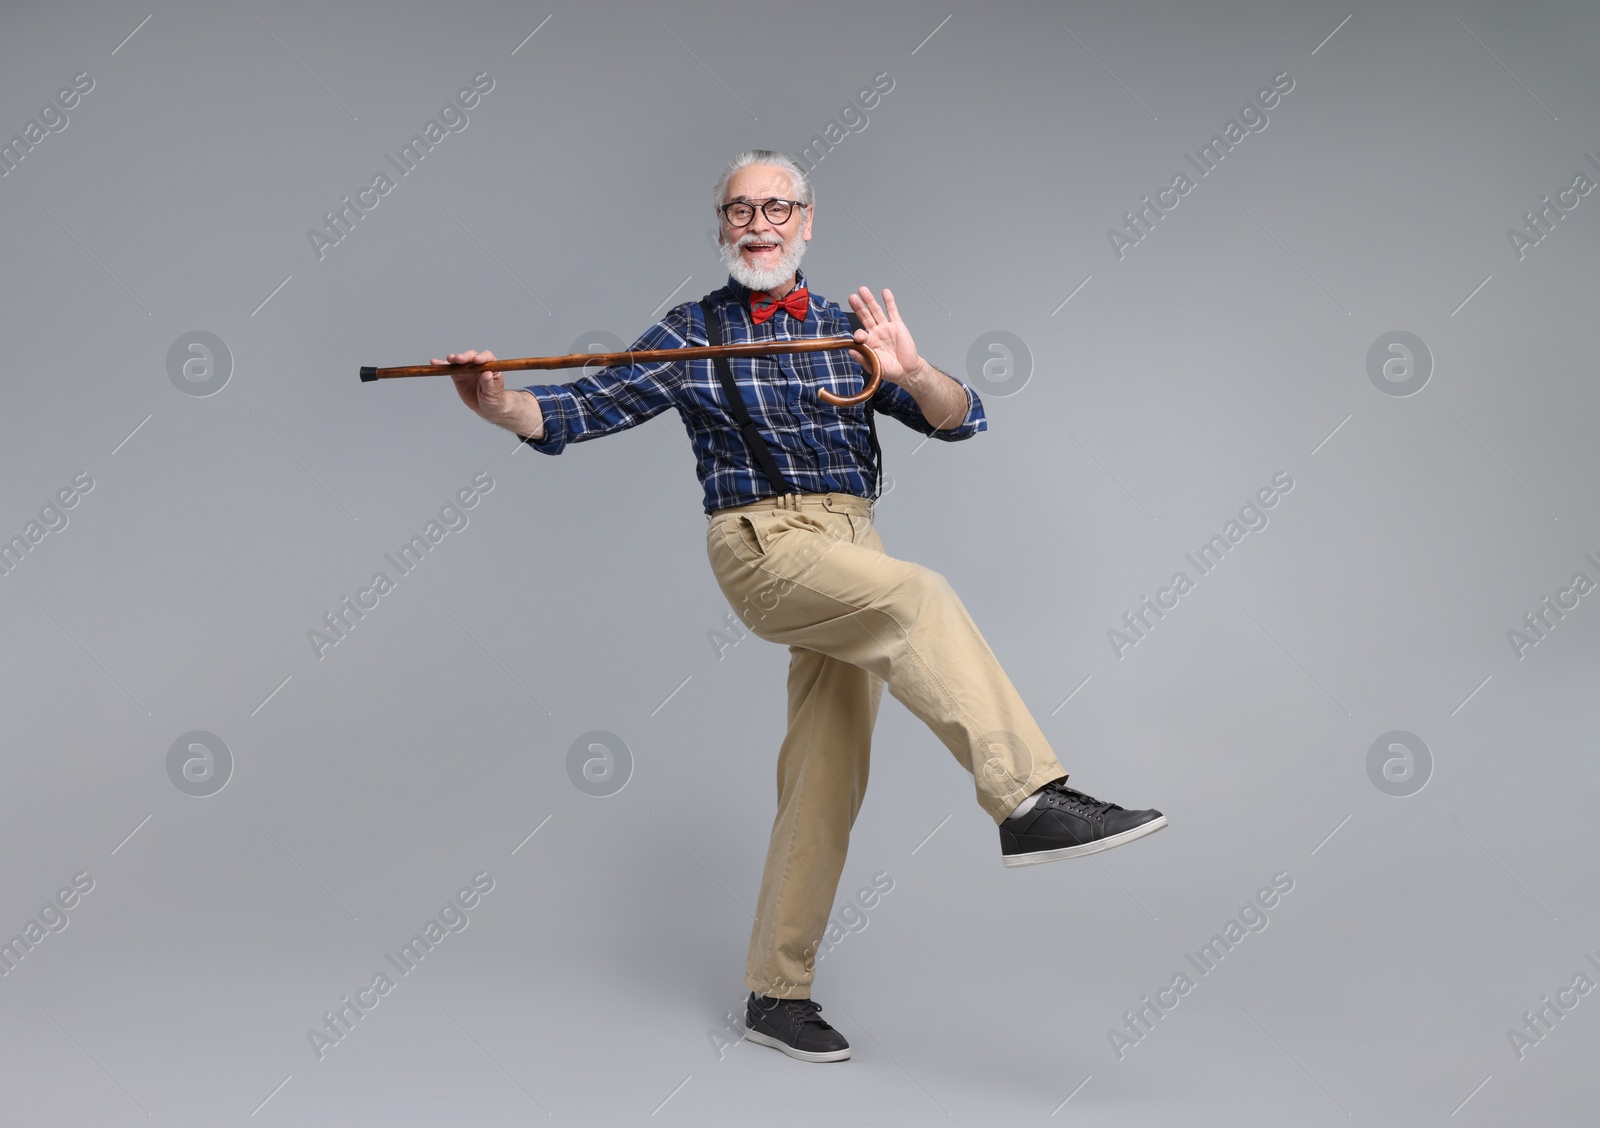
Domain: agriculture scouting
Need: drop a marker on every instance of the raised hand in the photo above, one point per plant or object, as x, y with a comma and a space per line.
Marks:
887, 335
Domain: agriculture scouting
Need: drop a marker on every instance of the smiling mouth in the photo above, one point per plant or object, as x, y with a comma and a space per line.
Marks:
761, 248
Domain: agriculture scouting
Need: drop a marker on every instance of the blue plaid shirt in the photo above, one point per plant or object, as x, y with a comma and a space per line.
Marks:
818, 447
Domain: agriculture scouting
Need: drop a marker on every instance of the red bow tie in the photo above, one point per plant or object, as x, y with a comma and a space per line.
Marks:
797, 302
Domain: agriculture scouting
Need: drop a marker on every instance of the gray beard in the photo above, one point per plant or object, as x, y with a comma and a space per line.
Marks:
794, 249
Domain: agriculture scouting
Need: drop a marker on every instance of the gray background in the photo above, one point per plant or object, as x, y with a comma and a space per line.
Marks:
428, 745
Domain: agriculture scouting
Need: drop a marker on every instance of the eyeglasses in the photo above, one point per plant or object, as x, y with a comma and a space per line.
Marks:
739, 214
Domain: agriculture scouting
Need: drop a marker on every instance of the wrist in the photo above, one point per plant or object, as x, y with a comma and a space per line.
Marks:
523, 416
925, 376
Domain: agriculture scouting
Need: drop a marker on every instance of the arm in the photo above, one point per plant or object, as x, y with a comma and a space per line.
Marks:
943, 402
549, 416
960, 420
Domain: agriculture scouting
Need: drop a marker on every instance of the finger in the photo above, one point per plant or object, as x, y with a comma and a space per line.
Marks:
894, 310
866, 308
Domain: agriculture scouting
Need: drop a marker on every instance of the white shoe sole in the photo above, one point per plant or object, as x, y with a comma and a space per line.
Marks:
1094, 847
803, 1055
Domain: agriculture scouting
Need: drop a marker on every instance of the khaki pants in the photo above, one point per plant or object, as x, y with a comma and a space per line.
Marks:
808, 570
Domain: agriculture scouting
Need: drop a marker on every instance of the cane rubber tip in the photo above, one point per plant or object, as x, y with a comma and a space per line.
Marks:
368, 373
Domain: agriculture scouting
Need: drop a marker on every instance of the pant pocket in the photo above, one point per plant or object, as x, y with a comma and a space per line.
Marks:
745, 530
749, 535
765, 530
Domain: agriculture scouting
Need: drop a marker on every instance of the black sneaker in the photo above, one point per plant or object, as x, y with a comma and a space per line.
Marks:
1067, 824
793, 1026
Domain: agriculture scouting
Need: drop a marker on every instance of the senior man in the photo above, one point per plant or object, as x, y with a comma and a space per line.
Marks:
790, 484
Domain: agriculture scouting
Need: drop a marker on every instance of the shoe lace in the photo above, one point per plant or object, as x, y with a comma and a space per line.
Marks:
1087, 804
804, 1011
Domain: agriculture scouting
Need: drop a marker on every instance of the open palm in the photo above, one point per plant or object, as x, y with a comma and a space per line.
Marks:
886, 334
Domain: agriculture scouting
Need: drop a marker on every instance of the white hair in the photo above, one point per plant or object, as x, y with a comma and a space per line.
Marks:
802, 182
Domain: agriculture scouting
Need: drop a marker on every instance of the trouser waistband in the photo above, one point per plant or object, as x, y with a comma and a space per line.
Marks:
835, 502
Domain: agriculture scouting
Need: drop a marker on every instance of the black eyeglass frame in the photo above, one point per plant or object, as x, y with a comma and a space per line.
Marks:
763, 205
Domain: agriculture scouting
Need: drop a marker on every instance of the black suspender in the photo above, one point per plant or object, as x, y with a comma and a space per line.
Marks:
872, 426
747, 427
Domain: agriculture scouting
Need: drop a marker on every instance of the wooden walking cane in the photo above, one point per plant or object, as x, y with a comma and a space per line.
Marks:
868, 358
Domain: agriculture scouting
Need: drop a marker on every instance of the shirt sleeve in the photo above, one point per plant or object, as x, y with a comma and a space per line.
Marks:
614, 398
892, 399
